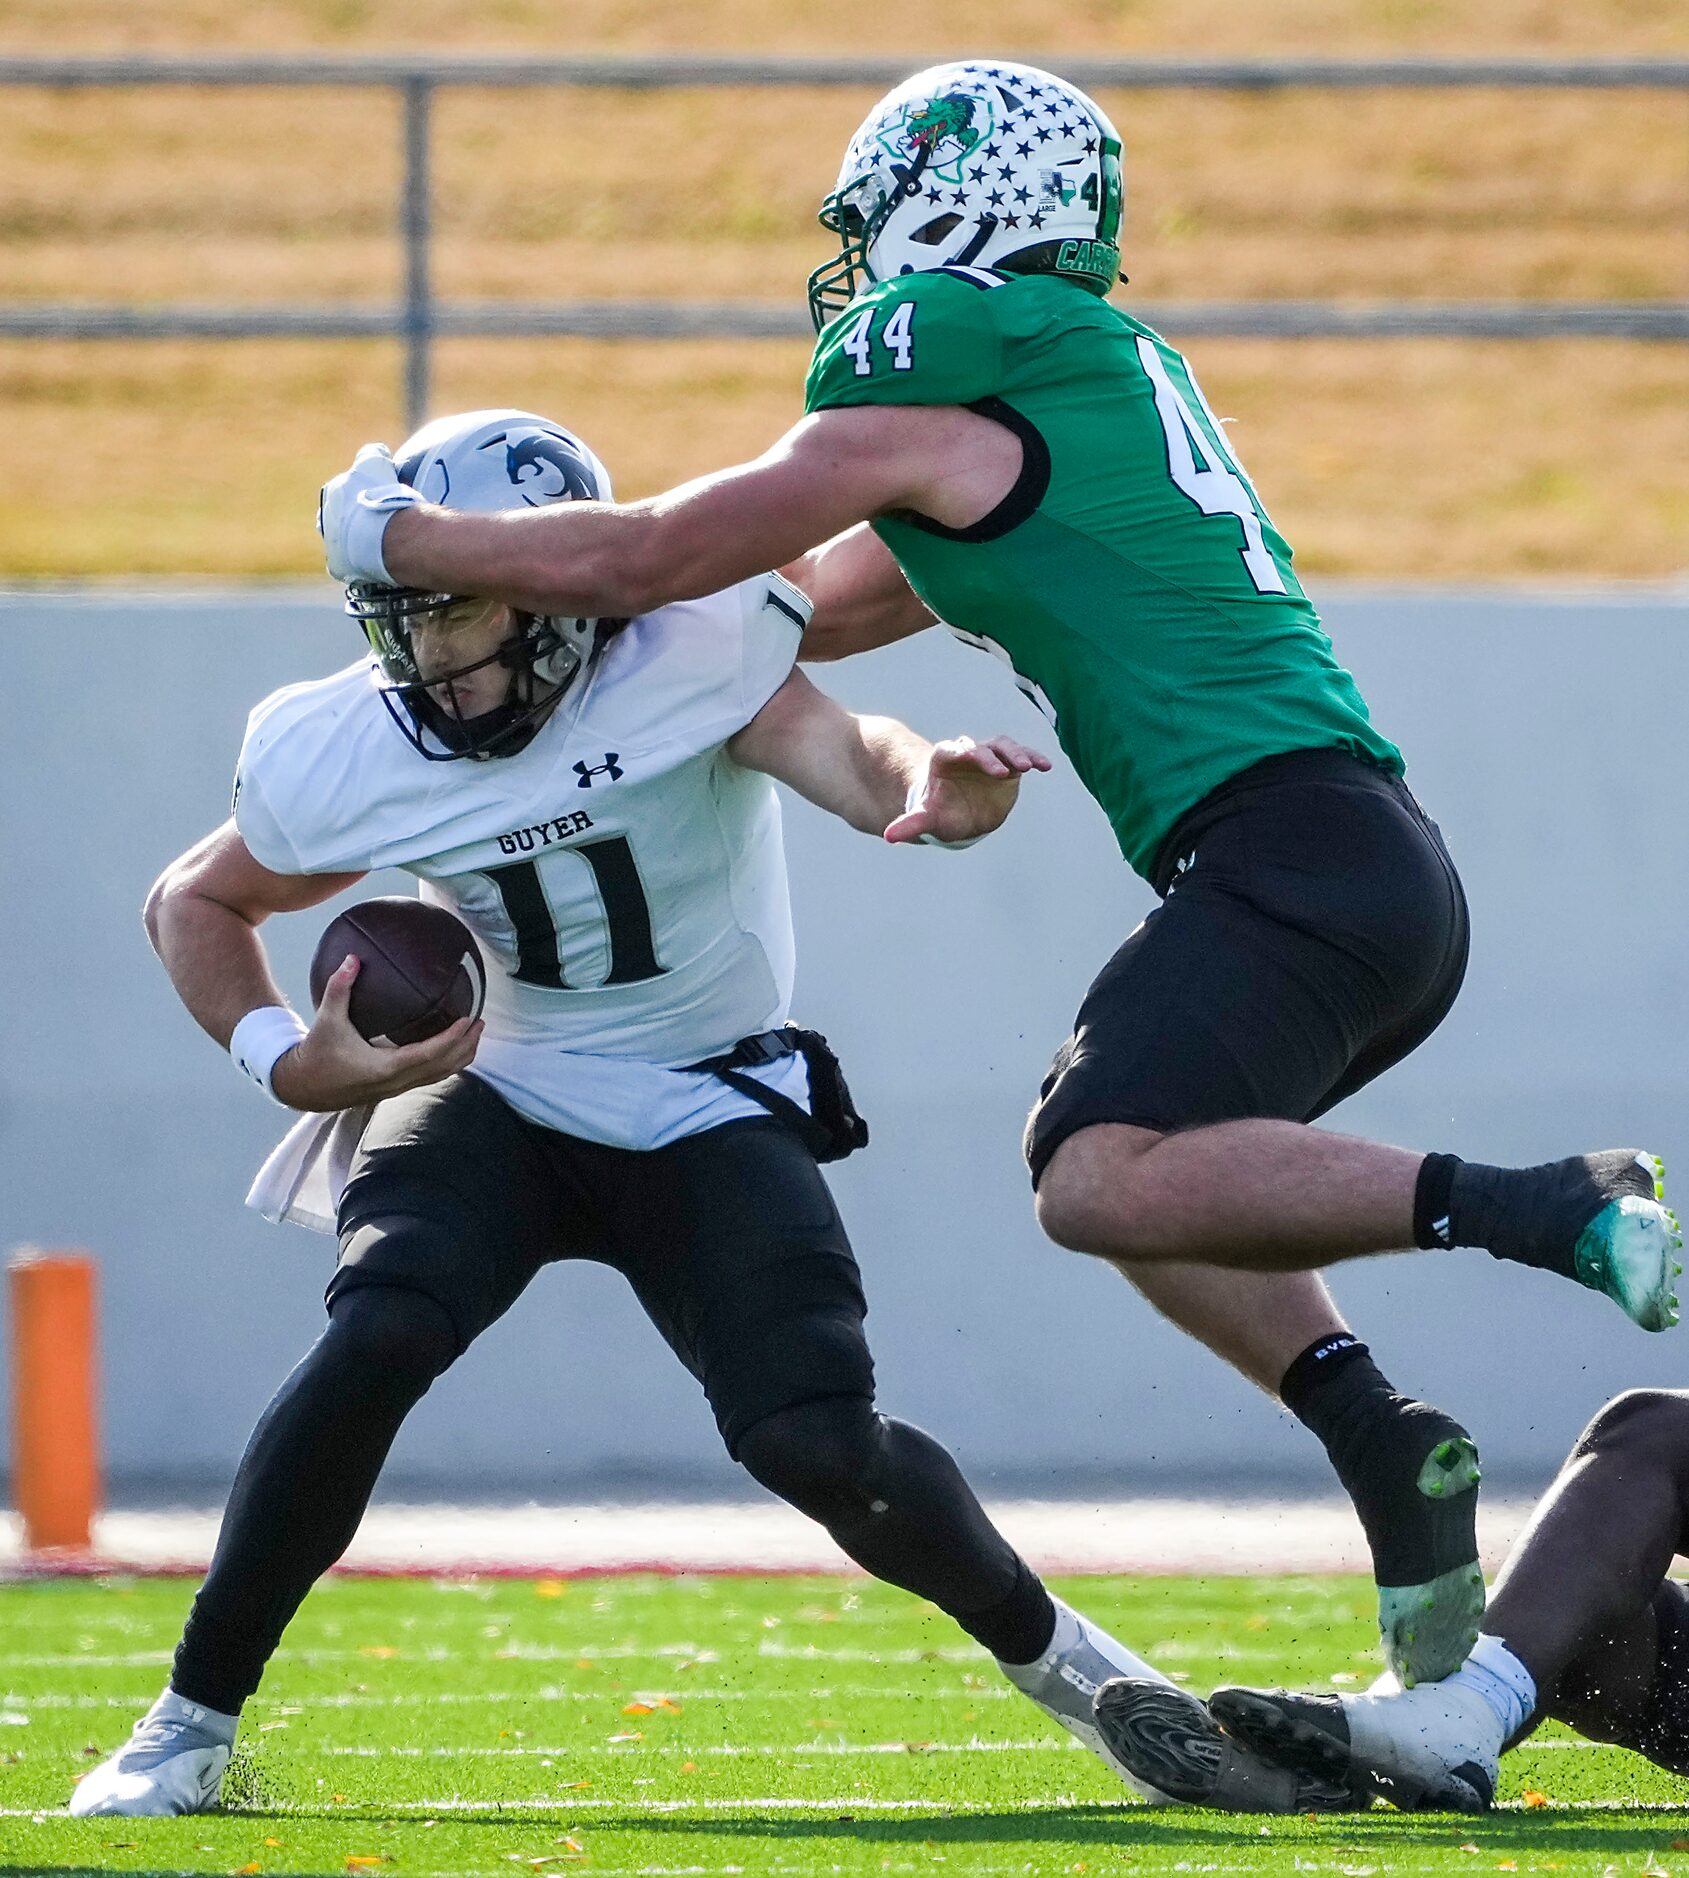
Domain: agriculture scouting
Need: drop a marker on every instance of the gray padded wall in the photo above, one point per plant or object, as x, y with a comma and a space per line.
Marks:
1545, 733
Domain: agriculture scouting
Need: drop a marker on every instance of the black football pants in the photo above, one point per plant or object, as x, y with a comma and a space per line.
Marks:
733, 1245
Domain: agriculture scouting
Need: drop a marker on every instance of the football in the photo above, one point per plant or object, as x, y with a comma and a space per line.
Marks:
420, 968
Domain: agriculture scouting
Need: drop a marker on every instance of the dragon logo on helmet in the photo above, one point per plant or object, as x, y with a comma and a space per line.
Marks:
955, 120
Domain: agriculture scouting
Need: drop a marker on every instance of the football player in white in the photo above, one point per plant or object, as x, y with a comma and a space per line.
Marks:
594, 799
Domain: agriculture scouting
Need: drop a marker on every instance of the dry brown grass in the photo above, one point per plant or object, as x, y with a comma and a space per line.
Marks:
1189, 27
1388, 458
254, 196
1418, 459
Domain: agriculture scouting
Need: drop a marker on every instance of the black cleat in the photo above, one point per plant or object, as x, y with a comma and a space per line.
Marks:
1430, 1625
1168, 1740
1417, 1767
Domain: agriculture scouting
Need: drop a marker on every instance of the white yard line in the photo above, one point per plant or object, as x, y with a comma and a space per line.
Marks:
634, 1749
848, 1804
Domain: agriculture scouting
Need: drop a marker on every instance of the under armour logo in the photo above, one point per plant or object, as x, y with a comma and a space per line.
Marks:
609, 767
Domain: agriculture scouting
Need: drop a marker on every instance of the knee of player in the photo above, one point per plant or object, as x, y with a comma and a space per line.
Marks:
1087, 1205
1651, 1423
820, 1457
392, 1334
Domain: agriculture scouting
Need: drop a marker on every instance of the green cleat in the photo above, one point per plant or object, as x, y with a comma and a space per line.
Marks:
1428, 1628
1632, 1251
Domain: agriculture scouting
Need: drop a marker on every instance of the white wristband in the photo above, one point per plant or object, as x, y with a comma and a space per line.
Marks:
262, 1038
912, 801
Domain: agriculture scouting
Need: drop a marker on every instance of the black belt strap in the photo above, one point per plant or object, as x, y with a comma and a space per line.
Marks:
834, 1129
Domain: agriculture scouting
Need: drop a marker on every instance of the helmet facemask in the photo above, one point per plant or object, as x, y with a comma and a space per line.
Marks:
856, 212
542, 656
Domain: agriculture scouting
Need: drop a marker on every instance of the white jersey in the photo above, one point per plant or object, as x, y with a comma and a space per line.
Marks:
624, 876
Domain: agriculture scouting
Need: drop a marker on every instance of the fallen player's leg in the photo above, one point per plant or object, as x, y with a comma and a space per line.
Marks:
1584, 1627
1165, 1739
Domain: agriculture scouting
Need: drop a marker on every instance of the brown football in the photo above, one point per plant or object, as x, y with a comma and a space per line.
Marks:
419, 968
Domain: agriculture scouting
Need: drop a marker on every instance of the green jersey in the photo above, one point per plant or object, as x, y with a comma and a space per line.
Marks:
1131, 578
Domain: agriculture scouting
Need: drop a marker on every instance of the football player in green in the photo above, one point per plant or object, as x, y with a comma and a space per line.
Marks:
991, 443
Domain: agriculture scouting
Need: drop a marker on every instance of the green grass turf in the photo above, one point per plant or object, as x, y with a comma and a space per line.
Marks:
700, 1725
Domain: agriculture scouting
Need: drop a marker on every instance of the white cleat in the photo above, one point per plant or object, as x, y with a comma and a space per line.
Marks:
173, 1763
1064, 1682
1432, 1747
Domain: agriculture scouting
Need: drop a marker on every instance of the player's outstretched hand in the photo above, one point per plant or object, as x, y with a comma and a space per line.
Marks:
967, 790
353, 511
334, 1068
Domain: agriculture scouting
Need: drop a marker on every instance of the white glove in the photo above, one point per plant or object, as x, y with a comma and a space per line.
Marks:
353, 512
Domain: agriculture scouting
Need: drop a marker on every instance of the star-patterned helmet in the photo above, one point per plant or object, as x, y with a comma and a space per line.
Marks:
978, 163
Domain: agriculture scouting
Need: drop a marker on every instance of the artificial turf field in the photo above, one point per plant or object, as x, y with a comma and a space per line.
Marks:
719, 1725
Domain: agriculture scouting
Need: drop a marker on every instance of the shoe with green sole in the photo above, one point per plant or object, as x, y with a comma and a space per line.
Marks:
1632, 1251
1429, 1628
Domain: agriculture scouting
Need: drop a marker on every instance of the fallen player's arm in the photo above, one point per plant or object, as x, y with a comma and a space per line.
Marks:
202, 917
832, 470
879, 775
860, 596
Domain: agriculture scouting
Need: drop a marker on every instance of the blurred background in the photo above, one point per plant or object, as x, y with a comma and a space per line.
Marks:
1495, 527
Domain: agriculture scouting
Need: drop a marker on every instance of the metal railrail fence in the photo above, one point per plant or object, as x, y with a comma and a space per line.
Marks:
419, 317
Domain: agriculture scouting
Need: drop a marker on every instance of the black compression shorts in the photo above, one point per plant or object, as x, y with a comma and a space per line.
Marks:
1312, 932
729, 1238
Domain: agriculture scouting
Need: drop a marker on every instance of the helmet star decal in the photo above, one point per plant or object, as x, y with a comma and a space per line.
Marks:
955, 120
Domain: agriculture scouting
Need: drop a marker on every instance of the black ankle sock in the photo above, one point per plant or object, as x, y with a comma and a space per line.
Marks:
1531, 1215
1433, 1203
1019, 1627
1377, 1442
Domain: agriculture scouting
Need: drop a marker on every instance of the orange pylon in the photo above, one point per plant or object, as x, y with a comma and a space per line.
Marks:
55, 1458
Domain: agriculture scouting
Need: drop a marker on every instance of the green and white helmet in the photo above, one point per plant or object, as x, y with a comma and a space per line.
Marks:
982, 163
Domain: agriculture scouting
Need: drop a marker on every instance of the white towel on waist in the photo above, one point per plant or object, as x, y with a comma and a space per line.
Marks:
301, 1182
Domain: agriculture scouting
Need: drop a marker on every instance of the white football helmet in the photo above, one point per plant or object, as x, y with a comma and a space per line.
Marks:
981, 163
482, 460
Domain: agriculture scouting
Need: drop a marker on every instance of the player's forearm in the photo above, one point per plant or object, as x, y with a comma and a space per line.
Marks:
599, 560
604, 559
874, 765
585, 560
213, 954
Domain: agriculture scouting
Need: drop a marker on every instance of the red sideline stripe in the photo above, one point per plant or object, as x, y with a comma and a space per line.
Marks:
90, 1565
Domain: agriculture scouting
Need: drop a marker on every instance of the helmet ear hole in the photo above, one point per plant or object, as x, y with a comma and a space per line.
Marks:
930, 234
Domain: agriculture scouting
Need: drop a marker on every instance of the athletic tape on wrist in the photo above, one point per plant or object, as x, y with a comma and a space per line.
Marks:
262, 1038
